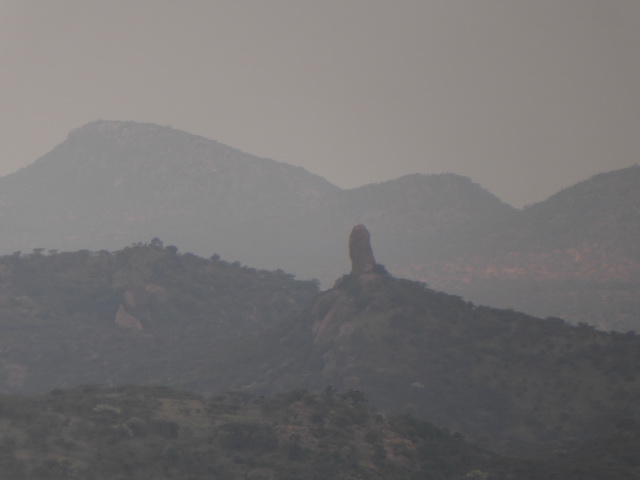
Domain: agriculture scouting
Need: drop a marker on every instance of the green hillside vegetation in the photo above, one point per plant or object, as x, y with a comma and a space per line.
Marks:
149, 315
132, 433
142, 433
504, 379
58, 314
496, 375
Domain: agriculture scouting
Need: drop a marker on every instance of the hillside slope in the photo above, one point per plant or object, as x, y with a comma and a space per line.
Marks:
142, 433
111, 184
145, 314
502, 378
575, 255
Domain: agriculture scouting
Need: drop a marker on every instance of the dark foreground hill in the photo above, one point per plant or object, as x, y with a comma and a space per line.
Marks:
145, 314
143, 433
133, 433
150, 315
502, 378
111, 184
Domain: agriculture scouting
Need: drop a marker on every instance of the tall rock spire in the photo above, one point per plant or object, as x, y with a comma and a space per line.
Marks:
360, 251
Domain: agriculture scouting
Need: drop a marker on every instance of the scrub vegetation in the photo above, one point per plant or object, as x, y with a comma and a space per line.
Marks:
451, 382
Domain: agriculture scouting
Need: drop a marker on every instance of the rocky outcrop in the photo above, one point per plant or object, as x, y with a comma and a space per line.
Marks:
360, 251
334, 305
125, 320
135, 305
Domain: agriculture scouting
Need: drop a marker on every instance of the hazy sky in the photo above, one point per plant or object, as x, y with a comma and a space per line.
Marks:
524, 97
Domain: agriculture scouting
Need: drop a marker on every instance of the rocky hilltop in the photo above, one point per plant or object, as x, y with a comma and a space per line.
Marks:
502, 378
150, 315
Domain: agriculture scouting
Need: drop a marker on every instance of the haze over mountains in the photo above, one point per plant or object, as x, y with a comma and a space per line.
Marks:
111, 184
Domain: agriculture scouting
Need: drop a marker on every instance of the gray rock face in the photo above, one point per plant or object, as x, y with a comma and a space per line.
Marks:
360, 251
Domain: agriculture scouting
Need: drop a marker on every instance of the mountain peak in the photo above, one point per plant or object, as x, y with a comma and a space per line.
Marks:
115, 129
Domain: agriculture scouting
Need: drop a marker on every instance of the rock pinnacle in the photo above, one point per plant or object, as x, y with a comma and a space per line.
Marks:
360, 251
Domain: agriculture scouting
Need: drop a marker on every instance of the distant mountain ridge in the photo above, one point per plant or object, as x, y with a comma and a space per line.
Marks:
575, 255
111, 184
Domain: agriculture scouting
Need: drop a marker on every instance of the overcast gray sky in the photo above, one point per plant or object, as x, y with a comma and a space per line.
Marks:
524, 97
